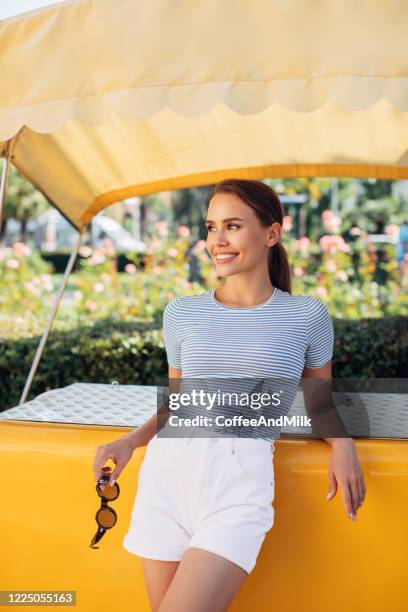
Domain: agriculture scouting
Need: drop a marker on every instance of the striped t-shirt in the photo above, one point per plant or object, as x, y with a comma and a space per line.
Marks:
273, 340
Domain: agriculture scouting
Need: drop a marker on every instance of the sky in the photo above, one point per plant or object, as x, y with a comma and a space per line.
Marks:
8, 8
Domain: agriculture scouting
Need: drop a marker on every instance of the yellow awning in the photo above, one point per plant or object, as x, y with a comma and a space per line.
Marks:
116, 98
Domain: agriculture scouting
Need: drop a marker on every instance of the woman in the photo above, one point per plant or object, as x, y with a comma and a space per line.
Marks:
204, 504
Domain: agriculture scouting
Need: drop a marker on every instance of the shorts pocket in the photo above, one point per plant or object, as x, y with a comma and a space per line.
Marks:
256, 464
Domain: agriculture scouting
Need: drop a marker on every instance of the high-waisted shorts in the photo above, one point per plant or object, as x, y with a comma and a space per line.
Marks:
213, 493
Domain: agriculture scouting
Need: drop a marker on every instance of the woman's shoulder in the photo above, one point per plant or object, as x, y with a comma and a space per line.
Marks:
186, 302
310, 305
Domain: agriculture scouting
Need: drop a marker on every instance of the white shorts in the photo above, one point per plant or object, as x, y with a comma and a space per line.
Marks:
212, 493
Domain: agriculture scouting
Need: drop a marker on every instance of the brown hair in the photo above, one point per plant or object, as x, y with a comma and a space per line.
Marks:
265, 203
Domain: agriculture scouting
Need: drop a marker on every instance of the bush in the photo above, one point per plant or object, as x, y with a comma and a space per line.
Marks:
134, 354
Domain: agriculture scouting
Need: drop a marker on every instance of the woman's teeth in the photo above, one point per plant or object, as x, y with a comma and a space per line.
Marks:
225, 258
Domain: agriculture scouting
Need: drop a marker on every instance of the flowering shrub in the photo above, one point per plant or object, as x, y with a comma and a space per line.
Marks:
341, 274
26, 287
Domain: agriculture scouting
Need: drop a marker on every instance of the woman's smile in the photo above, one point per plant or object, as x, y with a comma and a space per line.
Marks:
222, 258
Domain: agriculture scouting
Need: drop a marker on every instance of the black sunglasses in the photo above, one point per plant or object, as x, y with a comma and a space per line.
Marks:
106, 517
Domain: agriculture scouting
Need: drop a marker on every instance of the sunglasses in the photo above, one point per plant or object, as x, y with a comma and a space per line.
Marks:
106, 517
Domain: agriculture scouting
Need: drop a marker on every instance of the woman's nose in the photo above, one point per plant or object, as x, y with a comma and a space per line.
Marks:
220, 237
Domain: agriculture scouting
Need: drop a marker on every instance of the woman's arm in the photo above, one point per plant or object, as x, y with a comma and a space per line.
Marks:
344, 468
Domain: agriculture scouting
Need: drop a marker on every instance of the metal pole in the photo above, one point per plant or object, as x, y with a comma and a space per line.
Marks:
51, 318
335, 196
4, 178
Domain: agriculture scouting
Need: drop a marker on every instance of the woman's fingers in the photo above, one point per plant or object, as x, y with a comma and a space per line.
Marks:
362, 489
101, 456
355, 496
347, 498
353, 491
332, 485
363, 486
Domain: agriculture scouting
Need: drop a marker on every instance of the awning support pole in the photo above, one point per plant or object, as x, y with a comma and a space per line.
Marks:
4, 178
51, 318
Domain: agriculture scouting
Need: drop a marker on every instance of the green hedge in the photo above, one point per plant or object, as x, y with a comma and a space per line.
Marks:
134, 354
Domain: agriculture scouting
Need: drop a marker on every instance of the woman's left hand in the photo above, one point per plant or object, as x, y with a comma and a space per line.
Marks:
345, 469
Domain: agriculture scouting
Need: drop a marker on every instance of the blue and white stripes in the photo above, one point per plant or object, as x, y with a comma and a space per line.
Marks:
277, 338
273, 341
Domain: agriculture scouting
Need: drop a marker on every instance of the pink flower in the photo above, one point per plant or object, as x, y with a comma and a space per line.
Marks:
189, 285
199, 246
287, 223
32, 288
108, 248
157, 270
331, 244
98, 287
355, 231
78, 295
325, 242
298, 271
302, 245
162, 228
183, 231
342, 275
156, 243
321, 292
85, 251
170, 295
331, 221
13, 264
130, 268
331, 266
105, 278
4, 252
97, 259
20, 249
47, 281
90, 305
392, 230
172, 252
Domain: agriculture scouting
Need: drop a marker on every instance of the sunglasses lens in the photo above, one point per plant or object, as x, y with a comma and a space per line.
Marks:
109, 492
106, 517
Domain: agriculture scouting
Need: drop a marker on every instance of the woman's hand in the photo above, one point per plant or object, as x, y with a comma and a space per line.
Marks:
344, 469
120, 451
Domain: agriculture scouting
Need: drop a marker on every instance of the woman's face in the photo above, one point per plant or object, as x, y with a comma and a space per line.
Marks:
234, 228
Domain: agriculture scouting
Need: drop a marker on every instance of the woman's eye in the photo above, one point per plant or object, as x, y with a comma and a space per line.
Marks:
229, 225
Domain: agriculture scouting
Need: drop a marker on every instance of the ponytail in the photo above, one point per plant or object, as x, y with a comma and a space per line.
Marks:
279, 269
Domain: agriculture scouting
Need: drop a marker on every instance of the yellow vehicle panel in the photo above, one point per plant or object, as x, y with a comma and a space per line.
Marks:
312, 559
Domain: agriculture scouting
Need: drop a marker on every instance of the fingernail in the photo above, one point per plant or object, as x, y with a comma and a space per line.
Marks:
352, 516
328, 495
112, 482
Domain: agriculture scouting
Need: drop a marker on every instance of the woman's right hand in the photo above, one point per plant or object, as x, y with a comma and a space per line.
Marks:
120, 451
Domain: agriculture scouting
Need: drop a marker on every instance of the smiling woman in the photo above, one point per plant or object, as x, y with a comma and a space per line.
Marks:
246, 245
200, 541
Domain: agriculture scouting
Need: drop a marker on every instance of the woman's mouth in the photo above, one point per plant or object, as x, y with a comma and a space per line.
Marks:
225, 257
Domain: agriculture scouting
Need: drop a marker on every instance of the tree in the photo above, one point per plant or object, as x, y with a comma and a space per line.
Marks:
23, 202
